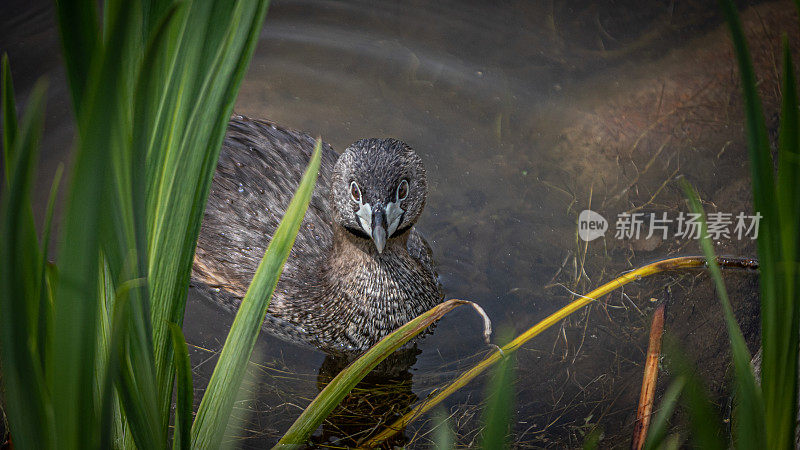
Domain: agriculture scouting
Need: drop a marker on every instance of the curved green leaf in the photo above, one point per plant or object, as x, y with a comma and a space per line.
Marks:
183, 413
215, 408
346, 380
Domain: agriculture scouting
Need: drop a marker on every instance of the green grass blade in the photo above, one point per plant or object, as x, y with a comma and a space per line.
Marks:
190, 91
9, 115
47, 229
215, 408
498, 413
658, 429
113, 325
324, 403
153, 12
124, 238
188, 127
25, 389
789, 159
102, 98
787, 325
106, 362
45, 302
183, 413
774, 384
80, 36
749, 424
757, 137
761, 166
11, 149
137, 399
777, 242
106, 123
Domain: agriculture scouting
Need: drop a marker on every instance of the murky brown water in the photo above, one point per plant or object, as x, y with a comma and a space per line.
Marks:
525, 114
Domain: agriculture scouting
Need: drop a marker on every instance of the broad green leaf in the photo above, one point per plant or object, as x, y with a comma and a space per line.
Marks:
183, 413
123, 230
101, 99
215, 408
111, 329
789, 160
11, 147
176, 68
80, 36
26, 394
187, 125
45, 311
787, 326
9, 116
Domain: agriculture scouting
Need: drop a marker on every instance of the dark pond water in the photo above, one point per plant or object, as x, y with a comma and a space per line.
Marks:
525, 114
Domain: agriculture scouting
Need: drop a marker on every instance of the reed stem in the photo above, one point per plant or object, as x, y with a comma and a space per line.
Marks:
679, 263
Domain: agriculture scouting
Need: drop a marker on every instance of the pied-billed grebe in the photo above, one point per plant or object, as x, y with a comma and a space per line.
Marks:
358, 269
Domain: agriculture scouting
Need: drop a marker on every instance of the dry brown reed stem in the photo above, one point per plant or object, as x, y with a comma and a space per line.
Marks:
648, 393
683, 262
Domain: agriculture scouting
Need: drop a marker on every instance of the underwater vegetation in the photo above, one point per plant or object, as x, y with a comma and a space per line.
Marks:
92, 348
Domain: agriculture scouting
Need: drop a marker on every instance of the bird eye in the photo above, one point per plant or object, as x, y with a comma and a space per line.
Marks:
402, 190
355, 192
